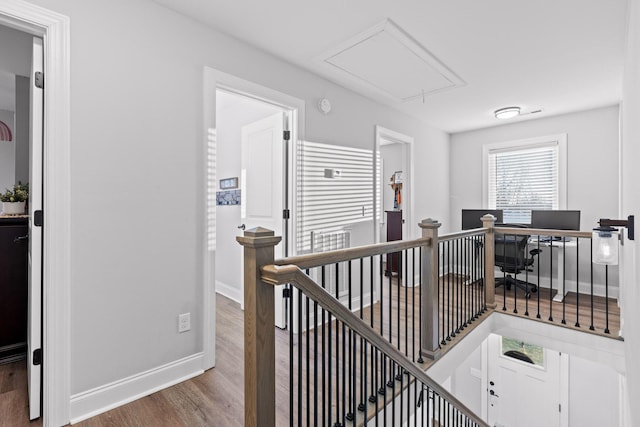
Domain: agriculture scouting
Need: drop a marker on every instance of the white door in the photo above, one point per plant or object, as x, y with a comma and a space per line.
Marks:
34, 322
262, 183
521, 394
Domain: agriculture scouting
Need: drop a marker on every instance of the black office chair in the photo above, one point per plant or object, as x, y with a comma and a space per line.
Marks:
511, 256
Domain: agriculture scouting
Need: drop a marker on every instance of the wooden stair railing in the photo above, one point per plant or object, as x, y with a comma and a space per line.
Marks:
261, 274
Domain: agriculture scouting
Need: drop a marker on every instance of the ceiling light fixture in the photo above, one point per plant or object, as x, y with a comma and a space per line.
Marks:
507, 113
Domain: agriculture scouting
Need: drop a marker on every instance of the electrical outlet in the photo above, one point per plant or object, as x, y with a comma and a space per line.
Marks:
184, 322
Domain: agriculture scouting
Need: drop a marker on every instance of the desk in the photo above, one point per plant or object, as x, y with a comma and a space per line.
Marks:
558, 245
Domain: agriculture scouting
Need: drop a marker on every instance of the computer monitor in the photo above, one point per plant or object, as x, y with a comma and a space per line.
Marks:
471, 218
555, 220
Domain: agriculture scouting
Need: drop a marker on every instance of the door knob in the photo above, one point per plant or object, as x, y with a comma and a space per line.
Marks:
21, 239
493, 393
242, 227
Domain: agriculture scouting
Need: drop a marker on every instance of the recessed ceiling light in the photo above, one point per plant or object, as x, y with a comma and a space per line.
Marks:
507, 113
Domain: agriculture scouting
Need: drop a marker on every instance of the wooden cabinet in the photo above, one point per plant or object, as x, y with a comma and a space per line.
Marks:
14, 248
394, 232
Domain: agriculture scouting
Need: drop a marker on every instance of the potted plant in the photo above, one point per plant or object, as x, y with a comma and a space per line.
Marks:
14, 201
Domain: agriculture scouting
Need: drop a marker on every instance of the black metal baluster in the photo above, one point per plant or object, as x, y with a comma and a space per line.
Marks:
577, 325
413, 305
291, 359
401, 395
315, 363
364, 362
504, 273
300, 364
551, 280
338, 383
591, 327
458, 280
564, 281
441, 294
352, 350
449, 311
420, 359
606, 298
406, 303
399, 291
515, 274
539, 281
467, 276
308, 350
526, 280
324, 359
482, 274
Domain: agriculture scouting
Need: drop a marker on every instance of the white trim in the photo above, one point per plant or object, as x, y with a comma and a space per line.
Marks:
56, 268
231, 292
384, 136
106, 397
559, 139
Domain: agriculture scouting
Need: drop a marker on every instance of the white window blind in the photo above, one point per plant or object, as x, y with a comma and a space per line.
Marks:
327, 204
523, 178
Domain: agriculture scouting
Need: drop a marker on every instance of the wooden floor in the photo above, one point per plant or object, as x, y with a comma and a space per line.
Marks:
216, 397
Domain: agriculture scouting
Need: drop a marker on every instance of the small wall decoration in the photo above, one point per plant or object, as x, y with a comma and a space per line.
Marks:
227, 198
229, 183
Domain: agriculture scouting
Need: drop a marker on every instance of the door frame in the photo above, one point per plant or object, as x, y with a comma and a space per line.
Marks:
54, 28
214, 79
384, 136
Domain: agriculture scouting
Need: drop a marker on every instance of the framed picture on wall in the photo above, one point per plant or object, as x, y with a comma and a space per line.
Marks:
229, 183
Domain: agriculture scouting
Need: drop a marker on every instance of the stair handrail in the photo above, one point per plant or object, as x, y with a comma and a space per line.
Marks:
282, 274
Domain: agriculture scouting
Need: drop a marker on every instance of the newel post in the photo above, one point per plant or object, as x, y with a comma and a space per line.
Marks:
430, 296
259, 335
488, 222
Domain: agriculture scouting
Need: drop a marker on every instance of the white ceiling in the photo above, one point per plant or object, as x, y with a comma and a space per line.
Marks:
555, 55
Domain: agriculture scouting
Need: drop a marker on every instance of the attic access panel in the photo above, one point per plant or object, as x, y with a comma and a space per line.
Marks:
388, 60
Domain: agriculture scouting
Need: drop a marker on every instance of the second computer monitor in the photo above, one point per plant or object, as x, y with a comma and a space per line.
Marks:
471, 218
555, 220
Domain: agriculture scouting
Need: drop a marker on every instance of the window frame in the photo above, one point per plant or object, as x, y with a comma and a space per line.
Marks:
559, 140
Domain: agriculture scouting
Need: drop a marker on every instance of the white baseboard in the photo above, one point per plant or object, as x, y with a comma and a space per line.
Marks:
109, 396
229, 291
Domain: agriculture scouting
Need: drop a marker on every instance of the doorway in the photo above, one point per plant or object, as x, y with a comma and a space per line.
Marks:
54, 29
526, 384
394, 160
251, 190
22, 112
215, 81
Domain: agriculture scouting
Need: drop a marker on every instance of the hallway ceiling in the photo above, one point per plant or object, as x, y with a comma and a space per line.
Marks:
462, 59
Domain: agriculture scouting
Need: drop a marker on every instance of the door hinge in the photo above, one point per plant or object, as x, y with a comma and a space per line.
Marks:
286, 214
286, 135
286, 293
37, 356
38, 218
559, 407
38, 79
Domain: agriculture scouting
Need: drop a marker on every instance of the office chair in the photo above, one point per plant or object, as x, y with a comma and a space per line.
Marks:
512, 258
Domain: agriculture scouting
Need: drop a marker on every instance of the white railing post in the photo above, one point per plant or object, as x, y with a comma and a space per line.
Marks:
430, 296
259, 334
488, 222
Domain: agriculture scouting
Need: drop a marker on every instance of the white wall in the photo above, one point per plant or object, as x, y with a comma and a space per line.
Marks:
630, 205
592, 161
136, 148
15, 51
7, 153
594, 398
592, 177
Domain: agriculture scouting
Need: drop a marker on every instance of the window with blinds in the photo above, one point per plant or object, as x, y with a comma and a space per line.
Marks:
335, 189
522, 178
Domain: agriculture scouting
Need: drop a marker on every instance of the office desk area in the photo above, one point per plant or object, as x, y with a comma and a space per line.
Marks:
558, 245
